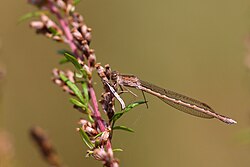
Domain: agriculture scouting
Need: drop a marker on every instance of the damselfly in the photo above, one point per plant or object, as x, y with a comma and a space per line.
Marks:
176, 100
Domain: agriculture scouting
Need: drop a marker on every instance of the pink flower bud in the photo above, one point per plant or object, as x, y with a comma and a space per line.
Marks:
37, 25
100, 154
61, 4
77, 35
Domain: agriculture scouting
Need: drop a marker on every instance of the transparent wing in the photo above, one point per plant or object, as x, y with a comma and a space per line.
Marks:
179, 101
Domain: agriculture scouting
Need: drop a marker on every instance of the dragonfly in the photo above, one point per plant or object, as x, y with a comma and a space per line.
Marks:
178, 101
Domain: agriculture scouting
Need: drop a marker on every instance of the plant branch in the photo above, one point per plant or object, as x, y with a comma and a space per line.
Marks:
65, 27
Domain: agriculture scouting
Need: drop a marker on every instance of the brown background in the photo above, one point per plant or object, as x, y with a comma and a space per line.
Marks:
193, 47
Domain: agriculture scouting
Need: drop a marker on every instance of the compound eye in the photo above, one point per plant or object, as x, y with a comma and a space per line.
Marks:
114, 75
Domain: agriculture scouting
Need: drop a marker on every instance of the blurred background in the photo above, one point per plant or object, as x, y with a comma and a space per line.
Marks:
197, 48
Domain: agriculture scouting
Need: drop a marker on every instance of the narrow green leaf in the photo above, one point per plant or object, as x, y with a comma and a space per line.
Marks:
63, 51
63, 61
85, 91
130, 106
73, 60
123, 128
53, 31
84, 73
118, 115
78, 75
30, 15
117, 150
85, 139
77, 103
91, 119
98, 135
73, 87
75, 2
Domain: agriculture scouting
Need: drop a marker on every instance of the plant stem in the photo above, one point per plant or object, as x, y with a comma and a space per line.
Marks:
97, 114
65, 27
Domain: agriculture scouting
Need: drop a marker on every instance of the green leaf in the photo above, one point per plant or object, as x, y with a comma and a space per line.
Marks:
85, 139
123, 128
77, 103
63, 61
53, 31
63, 51
75, 2
73, 87
73, 60
98, 135
85, 91
90, 118
117, 150
118, 115
30, 15
78, 75
130, 106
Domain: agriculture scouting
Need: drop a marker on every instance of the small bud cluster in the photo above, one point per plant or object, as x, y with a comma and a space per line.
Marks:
89, 128
58, 81
101, 155
94, 132
48, 28
71, 29
98, 152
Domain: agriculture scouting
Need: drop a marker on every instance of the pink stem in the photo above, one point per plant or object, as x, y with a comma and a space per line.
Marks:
65, 27
97, 115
